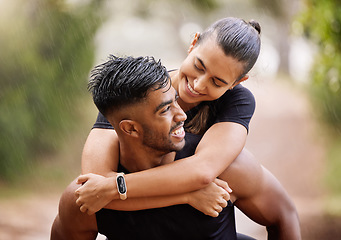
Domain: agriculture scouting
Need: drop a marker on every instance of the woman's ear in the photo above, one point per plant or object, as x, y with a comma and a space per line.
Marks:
194, 41
246, 77
129, 127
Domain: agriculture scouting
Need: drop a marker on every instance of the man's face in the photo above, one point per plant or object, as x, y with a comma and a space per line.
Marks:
162, 121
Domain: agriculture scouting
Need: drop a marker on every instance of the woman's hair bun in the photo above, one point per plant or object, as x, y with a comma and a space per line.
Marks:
256, 25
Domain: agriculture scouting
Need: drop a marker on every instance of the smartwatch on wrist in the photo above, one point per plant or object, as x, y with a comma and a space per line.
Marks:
121, 186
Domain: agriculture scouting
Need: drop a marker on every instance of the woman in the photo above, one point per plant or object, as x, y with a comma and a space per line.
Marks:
218, 109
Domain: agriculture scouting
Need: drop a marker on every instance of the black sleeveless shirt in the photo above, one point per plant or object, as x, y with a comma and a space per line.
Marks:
168, 223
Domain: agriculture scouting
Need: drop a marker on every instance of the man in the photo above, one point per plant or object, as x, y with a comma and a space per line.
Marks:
140, 102
136, 97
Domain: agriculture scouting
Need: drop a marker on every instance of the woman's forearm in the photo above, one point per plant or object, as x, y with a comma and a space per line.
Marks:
218, 148
133, 204
221, 144
209, 200
179, 177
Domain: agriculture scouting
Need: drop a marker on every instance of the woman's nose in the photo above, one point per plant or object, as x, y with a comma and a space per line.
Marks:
199, 84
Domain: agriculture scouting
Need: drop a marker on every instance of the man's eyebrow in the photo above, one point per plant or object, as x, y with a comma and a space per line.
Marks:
203, 65
166, 103
162, 105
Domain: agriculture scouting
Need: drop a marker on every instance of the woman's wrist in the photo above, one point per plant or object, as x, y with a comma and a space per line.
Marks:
112, 188
121, 186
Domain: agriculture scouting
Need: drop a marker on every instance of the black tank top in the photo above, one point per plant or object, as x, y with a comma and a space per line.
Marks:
168, 223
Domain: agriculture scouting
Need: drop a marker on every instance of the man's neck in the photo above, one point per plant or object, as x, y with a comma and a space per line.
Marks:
135, 159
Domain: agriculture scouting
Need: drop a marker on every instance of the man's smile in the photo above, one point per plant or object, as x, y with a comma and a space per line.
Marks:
178, 131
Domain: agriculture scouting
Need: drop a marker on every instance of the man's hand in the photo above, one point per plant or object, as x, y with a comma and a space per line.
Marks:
212, 199
95, 193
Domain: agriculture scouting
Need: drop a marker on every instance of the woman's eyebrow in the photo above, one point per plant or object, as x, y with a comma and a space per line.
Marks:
221, 80
201, 62
203, 65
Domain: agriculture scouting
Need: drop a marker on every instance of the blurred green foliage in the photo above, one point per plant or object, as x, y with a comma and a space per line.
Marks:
322, 24
47, 51
205, 5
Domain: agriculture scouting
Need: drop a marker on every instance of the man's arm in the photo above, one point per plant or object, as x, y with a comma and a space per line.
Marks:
261, 197
71, 223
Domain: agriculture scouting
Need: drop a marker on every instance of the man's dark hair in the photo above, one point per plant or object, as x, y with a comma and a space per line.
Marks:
122, 81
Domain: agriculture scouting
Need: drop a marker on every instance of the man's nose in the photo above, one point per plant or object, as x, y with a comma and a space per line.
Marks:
180, 115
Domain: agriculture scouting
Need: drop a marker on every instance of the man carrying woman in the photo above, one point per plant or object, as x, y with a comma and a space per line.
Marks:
219, 111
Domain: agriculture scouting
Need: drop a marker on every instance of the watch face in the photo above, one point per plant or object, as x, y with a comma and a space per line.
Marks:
121, 185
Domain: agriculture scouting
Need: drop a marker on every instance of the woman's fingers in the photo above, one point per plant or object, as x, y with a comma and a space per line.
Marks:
83, 178
223, 203
214, 213
83, 209
226, 196
218, 208
223, 185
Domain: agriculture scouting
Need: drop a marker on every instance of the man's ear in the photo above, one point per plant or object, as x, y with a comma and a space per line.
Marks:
129, 127
194, 41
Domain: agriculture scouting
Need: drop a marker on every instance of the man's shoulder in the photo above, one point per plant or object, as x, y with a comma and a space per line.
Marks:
244, 175
70, 221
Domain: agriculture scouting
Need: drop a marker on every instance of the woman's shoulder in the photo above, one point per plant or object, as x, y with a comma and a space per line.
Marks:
239, 92
236, 105
241, 89
173, 72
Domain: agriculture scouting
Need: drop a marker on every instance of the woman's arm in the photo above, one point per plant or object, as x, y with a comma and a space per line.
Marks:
217, 149
101, 152
209, 200
220, 145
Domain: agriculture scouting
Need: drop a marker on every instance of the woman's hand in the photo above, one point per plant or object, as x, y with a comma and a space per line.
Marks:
95, 193
212, 199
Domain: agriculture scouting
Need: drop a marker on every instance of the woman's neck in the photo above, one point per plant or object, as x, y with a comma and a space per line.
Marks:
186, 106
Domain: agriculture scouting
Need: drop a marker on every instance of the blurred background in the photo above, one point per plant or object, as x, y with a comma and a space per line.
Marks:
48, 47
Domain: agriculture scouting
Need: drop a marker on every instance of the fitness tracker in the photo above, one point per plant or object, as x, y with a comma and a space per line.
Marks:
121, 186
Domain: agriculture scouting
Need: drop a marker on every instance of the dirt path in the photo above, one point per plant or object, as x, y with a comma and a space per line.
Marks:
283, 136
27, 219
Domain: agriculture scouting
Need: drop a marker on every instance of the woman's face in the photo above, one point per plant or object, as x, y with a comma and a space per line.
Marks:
207, 73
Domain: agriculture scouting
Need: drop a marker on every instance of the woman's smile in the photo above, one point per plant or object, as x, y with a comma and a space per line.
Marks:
191, 91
